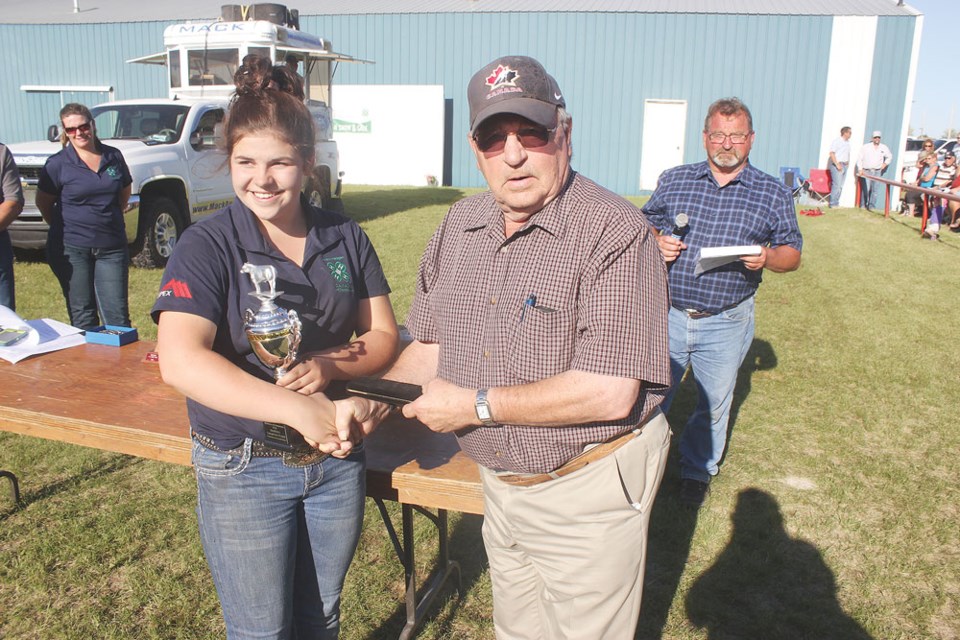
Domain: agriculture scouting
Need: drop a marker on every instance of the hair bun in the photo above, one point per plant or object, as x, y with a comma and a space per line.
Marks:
257, 75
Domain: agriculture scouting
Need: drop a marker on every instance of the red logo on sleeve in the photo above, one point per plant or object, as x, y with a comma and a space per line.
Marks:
176, 288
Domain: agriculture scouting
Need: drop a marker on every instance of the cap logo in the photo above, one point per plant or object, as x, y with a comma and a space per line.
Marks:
502, 80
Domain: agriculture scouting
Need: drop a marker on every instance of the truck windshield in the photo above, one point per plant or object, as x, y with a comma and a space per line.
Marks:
153, 124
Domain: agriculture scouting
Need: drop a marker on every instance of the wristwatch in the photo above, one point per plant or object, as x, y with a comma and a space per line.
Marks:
483, 409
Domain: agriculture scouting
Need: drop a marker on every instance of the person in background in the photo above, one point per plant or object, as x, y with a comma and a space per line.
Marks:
946, 173
729, 203
539, 321
82, 194
874, 159
839, 160
11, 204
925, 174
278, 528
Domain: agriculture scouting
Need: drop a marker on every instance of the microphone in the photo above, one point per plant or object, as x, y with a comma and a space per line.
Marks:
680, 226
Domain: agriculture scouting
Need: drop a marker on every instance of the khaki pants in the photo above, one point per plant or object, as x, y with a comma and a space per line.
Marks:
567, 556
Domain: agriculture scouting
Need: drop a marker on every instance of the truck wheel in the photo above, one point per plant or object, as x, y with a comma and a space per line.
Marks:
318, 192
161, 223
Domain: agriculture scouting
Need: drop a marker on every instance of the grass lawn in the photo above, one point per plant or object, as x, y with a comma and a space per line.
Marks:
835, 515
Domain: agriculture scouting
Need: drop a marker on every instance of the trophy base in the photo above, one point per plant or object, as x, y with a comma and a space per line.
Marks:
280, 436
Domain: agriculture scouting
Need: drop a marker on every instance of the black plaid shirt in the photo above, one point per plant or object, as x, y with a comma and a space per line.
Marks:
590, 267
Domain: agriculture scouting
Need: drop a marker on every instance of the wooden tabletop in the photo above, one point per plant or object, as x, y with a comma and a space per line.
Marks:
109, 398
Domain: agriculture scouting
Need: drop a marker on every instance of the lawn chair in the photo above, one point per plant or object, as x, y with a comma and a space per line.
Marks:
793, 179
818, 186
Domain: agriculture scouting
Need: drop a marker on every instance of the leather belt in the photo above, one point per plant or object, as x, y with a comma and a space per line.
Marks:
573, 464
259, 449
697, 315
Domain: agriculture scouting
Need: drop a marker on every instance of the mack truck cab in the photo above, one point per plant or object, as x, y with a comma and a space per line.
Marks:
202, 57
171, 144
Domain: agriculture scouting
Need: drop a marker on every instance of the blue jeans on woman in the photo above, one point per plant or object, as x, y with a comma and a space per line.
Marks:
714, 348
278, 539
94, 282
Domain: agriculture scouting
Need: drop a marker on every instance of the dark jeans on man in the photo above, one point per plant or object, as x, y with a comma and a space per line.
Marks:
8, 297
95, 280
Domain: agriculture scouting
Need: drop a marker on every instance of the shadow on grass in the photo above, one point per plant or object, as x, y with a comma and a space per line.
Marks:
766, 584
466, 548
29, 496
671, 525
369, 205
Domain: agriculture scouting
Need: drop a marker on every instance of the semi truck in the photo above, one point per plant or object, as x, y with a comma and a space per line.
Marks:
171, 144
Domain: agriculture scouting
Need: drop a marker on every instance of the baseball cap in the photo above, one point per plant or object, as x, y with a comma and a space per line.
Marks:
876, 134
514, 84
950, 154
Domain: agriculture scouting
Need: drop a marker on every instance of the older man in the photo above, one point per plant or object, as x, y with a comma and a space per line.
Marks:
11, 204
875, 157
728, 203
540, 325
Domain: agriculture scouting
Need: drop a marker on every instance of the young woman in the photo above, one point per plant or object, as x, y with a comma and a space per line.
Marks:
82, 193
278, 530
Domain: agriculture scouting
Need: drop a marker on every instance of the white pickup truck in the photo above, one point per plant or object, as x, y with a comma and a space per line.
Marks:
170, 145
178, 173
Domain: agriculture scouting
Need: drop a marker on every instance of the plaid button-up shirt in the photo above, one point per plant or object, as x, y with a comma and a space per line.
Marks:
580, 286
754, 208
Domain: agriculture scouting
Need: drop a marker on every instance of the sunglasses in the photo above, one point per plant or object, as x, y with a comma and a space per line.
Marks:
83, 128
529, 137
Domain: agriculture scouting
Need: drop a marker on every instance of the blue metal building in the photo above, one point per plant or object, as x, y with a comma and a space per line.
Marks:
637, 74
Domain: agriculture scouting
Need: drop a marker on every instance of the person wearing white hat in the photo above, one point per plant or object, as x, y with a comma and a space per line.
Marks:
874, 159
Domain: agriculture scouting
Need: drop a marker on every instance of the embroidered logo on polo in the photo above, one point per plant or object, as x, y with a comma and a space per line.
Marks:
502, 80
175, 288
339, 273
113, 172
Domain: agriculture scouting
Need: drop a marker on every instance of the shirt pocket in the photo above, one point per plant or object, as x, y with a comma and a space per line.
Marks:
544, 343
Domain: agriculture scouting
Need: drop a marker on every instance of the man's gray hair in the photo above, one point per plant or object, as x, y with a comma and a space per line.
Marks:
727, 107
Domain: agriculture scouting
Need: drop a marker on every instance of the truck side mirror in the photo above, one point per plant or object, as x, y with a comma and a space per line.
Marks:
196, 140
53, 133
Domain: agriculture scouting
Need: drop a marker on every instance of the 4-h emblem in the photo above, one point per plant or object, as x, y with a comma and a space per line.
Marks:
113, 172
339, 273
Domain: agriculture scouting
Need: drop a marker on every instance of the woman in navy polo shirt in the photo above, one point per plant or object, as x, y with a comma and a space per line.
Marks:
278, 531
82, 193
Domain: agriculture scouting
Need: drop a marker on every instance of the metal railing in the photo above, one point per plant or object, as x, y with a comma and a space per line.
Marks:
927, 193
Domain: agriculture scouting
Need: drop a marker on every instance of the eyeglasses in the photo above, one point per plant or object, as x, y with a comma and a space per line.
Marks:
529, 137
718, 137
928, 146
83, 128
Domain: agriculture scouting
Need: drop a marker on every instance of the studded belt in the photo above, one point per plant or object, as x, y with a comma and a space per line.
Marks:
303, 457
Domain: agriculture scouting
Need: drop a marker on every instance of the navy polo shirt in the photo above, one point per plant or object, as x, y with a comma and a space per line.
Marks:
88, 202
340, 268
754, 208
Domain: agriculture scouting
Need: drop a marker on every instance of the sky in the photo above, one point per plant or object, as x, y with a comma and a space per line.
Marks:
936, 97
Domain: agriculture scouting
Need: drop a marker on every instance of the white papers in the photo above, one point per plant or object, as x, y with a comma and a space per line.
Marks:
713, 257
45, 335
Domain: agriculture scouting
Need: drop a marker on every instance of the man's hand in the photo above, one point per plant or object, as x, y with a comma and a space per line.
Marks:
670, 247
755, 263
307, 376
444, 407
357, 418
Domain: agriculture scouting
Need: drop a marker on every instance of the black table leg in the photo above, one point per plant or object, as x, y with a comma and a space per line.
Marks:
406, 553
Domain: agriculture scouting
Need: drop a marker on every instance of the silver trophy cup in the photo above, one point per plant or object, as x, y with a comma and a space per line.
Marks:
274, 335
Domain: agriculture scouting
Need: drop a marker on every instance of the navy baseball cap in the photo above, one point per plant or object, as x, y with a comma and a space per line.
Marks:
514, 84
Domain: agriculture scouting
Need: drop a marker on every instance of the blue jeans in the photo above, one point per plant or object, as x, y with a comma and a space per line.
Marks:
278, 540
714, 349
94, 282
836, 183
871, 188
8, 297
